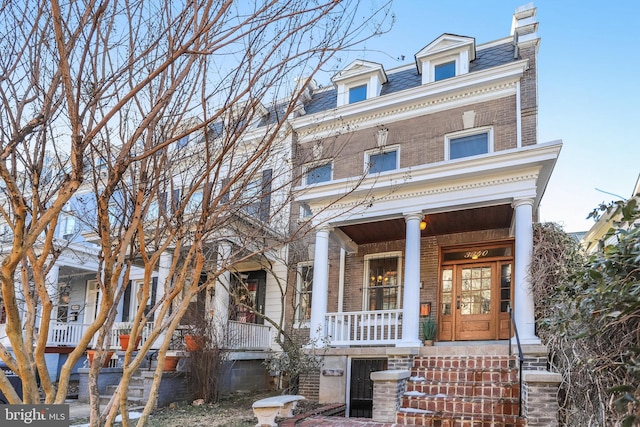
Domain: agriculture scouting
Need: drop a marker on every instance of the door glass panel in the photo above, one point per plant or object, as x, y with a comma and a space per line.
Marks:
475, 296
505, 287
447, 288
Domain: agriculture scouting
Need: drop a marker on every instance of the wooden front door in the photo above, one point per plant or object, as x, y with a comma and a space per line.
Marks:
474, 298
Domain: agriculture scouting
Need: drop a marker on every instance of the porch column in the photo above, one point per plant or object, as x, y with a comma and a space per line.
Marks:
523, 296
51, 282
411, 300
164, 267
222, 288
319, 296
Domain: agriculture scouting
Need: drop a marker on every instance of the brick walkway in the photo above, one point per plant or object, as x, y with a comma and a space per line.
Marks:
319, 420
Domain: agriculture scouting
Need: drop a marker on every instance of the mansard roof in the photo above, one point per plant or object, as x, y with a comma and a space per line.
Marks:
406, 77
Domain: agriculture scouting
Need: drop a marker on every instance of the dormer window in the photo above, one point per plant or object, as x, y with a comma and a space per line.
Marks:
359, 81
444, 71
445, 57
357, 94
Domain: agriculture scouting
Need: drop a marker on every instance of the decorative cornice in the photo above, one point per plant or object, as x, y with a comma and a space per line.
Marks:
326, 127
395, 196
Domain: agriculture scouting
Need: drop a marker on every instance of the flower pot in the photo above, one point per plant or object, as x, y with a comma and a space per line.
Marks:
92, 353
124, 341
428, 343
171, 362
194, 342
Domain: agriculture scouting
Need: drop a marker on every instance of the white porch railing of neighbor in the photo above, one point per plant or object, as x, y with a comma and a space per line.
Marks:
380, 327
69, 334
248, 336
65, 334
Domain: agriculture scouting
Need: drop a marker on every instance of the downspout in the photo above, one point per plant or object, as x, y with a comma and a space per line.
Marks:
518, 116
343, 256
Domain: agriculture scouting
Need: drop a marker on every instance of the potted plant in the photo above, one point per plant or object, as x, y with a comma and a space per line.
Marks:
171, 360
124, 334
429, 329
92, 353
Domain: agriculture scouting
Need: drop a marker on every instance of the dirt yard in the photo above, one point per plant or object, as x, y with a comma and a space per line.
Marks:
232, 411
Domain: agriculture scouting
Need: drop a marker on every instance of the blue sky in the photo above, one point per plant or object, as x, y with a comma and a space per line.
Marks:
589, 94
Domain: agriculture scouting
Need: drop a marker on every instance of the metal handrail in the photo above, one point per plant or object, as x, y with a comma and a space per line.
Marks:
520, 356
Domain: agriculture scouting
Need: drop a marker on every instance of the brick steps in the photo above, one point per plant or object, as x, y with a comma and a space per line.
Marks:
462, 391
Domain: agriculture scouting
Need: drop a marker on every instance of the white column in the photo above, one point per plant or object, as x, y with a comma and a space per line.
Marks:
164, 267
320, 294
523, 296
51, 282
411, 300
222, 287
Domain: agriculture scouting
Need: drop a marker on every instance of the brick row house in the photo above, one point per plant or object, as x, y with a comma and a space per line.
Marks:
419, 186
422, 183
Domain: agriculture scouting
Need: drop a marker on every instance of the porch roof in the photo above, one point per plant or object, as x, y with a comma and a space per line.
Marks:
459, 221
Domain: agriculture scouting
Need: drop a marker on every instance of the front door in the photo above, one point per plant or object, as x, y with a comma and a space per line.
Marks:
475, 297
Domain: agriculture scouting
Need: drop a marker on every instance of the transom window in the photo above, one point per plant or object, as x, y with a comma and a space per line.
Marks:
445, 71
319, 173
357, 94
383, 161
382, 282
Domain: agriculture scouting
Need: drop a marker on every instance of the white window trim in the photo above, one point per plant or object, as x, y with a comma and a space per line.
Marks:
385, 149
461, 58
365, 279
307, 167
304, 215
468, 132
296, 322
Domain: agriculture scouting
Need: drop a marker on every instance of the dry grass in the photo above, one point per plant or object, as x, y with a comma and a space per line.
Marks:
231, 411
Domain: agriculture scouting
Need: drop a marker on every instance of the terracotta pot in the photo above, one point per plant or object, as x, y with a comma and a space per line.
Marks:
92, 353
428, 343
124, 341
193, 342
171, 362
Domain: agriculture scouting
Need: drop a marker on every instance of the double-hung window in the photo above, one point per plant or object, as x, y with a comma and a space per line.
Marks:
318, 173
382, 161
468, 144
382, 281
304, 290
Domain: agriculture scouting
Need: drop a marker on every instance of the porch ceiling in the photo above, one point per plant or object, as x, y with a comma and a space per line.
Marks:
486, 218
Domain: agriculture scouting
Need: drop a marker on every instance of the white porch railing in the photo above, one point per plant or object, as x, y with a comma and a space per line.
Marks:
380, 327
248, 336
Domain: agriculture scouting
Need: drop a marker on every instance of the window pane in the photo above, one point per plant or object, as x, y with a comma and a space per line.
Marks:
383, 284
305, 289
466, 146
318, 174
358, 93
444, 71
383, 161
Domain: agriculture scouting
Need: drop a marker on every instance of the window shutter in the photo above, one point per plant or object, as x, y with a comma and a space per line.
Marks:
126, 302
265, 200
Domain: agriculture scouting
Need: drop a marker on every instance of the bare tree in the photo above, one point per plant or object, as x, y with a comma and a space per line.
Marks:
151, 120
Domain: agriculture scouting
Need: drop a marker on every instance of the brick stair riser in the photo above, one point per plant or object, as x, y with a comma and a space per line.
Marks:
461, 406
503, 390
464, 363
458, 376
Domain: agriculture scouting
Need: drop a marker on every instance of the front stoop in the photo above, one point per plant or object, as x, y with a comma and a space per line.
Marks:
462, 391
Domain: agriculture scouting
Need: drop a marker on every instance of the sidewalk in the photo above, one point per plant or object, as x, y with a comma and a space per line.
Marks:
79, 412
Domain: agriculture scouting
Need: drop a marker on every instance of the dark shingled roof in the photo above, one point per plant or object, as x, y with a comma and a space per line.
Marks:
408, 78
